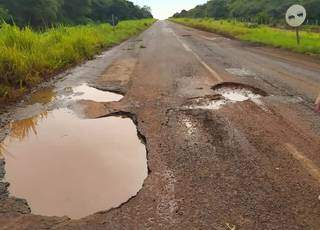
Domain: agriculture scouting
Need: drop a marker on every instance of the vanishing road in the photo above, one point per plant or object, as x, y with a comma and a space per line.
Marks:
232, 136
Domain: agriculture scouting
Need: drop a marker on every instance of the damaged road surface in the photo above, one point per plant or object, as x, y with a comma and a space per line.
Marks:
230, 132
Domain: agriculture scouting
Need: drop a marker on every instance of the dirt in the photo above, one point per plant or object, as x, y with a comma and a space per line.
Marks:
318, 104
245, 165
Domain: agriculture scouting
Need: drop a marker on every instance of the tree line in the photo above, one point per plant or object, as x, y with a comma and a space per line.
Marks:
260, 11
44, 13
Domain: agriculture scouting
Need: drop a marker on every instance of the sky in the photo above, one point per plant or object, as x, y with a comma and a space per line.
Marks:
162, 9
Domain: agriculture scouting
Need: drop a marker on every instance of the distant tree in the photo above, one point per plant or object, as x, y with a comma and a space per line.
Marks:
33, 12
217, 9
146, 12
184, 14
102, 10
4, 14
39, 13
199, 11
76, 11
262, 11
313, 9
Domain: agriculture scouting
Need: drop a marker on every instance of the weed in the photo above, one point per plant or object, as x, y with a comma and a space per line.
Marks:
28, 57
310, 42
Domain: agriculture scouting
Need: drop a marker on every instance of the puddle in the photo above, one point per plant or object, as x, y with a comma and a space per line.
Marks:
237, 94
85, 92
64, 165
67, 166
227, 93
42, 96
209, 105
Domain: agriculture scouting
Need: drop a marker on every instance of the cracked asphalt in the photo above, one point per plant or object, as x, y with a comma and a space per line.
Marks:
247, 165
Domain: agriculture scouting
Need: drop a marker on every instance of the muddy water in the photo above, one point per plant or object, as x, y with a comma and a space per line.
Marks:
237, 94
228, 95
85, 92
64, 165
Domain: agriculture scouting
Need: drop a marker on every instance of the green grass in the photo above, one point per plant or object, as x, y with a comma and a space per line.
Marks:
310, 41
28, 57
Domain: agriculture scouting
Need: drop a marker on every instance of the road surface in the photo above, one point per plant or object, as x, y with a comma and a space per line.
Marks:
252, 164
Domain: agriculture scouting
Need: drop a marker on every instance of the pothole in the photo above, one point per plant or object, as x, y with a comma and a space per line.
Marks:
231, 86
227, 93
237, 92
67, 166
86, 92
42, 96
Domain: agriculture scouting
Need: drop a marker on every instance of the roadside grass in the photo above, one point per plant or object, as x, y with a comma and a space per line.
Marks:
28, 57
310, 41
312, 28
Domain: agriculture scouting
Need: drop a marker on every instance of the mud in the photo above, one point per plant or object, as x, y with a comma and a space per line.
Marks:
226, 93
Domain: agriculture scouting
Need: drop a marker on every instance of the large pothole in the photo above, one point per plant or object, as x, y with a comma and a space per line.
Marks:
227, 93
67, 166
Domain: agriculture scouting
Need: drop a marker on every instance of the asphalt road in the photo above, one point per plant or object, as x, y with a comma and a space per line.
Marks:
245, 165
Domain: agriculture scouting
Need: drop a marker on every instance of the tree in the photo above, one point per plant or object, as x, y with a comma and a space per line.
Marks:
262, 11
217, 9
102, 10
4, 14
40, 13
33, 12
76, 11
146, 12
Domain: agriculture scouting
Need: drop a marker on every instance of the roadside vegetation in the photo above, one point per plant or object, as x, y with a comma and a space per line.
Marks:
310, 42
45, 13
28, 57
269, 12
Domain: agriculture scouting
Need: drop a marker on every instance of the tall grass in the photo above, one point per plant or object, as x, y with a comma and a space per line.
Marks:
28, 57
310, 42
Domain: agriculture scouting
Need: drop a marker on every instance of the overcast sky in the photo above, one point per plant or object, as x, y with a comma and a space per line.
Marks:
162, 9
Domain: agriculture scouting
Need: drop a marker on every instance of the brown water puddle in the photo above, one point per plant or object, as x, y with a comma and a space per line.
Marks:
43, 96
64, 165
85, 92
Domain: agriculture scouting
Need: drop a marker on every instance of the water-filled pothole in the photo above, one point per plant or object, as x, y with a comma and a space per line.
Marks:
85, 92
67, 166
227, 93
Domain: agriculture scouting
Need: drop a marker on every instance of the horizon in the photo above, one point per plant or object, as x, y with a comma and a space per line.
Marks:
165, 9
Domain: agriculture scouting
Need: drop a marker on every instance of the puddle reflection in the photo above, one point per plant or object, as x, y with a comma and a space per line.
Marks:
67, 166
20, 130
80, 166
2, 150
43, 96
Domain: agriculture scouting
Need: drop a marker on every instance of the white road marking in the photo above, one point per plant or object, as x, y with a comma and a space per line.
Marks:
187, 48
205, 65
305, 161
